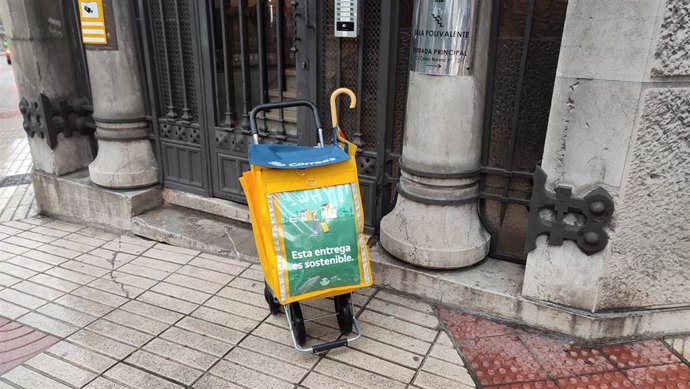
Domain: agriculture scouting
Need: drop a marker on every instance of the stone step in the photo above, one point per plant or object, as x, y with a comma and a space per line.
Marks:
185, 227
212, 205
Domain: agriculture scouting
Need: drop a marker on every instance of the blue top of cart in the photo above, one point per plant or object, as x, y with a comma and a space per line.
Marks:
294, 157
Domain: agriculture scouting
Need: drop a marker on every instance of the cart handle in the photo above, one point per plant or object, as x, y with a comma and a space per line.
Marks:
285, 104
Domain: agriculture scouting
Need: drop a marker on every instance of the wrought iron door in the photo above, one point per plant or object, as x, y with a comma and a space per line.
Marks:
210, 62
525, 43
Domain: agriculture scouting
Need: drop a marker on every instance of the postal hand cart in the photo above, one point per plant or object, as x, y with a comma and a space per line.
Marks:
307, 220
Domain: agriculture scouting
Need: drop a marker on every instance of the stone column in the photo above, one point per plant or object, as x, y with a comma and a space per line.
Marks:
43, 64
125, 157
435, 223
619, 120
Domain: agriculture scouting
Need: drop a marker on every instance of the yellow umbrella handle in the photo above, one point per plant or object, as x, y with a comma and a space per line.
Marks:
334, 96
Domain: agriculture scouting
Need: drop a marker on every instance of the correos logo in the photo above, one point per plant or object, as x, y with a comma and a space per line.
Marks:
301, 164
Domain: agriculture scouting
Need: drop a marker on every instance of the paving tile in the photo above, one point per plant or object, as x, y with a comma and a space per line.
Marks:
209, 381
84, 240
72, 245
19, 343
59, 251
63, 226
119, 332
596, 381
501, 359
156, 264
12, 248
247, 377
37, 290
97, 261
248, 297
180, 354
12, 311
180, 292
355, 375
389, 353
24, 242
564, 360
681, 345
176, 249
196, 341
167, 255
70, 275
31, 380
446, 353
6, 256
45, 257
5, 229
8, 280
373, 364
673, 376
84, 305
453, 372
277, 368
69, 315
428, 380
167, 302
85, 268
96, 342
99, 296
527, 385
118, 245
29, 263
16, 271
143, 271
54, 282
211, 330
175, 371
227, 266
36, 237
280, 351
81, 356
22, 299
96, 233
134, 321
632, 355
248, 285
237, 308
226, 319
402, 313
316, 380
400, 326
117, 288
253, 273
61, 370
201, 285
463, 326
205, 274
103, 383
137, 378
152, 311
112, 255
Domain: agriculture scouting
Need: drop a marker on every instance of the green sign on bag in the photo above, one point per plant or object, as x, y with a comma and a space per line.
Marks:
320, 238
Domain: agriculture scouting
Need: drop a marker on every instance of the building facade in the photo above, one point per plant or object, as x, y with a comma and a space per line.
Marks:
558, 167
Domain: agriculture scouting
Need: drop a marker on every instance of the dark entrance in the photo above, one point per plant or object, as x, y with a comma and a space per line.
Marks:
525, 44
210, 62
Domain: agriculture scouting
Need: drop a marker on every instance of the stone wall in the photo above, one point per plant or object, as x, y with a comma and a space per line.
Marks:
620, 119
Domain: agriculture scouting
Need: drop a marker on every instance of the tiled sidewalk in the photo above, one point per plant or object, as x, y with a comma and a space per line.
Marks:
134, 313
16, 200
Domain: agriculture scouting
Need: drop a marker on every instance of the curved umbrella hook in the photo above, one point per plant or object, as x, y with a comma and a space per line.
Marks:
334, 110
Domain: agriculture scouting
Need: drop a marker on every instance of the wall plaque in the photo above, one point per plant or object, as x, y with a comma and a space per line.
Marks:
443, 36
97, 24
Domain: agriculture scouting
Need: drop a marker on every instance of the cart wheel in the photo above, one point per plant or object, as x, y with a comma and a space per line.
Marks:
343, 309
297, 323
273, 304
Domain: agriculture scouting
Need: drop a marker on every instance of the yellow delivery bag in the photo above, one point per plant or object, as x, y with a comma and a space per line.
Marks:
307, 218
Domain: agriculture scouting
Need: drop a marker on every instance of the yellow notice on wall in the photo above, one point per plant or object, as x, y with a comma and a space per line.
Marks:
92, 22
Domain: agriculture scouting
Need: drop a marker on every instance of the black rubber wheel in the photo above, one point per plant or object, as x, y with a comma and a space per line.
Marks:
297, 323
273, 304
343, 309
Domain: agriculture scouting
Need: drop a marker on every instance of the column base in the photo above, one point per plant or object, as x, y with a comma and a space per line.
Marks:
124, 165
435, 236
